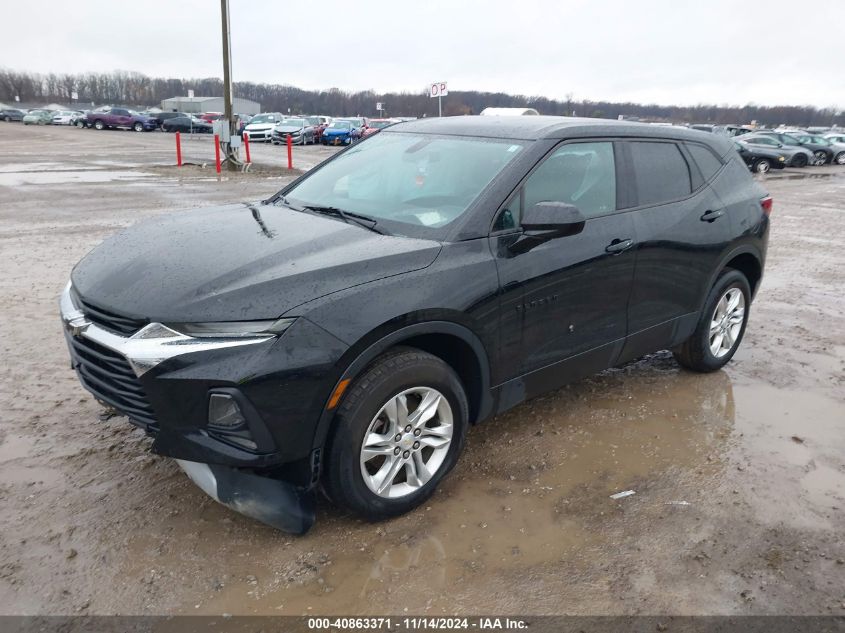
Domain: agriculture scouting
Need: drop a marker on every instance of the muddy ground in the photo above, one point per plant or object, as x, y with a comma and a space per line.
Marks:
739, 475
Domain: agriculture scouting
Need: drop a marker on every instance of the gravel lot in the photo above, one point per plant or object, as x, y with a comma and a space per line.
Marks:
739, 475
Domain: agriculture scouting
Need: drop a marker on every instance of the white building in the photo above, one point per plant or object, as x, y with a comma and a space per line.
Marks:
198, 105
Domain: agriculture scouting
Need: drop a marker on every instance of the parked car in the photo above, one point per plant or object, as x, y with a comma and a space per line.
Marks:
340, 132
344, 334
760, 159
211, 117
821, 151
120, 118
161, 117
796, 156
64, 117
709, 127
374, 125
79, 119
38, 117
738, 130
187, 123
11, 114
837, 143
300, 130
260, 128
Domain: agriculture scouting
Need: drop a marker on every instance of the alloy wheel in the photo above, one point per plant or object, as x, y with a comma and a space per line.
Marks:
821, 157
726, 322
840, 158
762, 167
406, 442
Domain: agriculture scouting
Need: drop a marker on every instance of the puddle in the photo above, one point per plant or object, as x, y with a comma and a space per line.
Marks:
16, 179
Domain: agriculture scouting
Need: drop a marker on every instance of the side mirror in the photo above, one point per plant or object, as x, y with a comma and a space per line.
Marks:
545, 221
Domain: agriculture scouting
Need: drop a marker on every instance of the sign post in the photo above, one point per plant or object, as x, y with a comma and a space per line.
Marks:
438, 90
379, 108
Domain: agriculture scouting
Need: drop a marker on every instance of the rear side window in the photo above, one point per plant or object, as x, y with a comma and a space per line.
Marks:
661, 172
706, 160
583, 174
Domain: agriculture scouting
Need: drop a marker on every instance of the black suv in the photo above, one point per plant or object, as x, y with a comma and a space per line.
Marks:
347, 332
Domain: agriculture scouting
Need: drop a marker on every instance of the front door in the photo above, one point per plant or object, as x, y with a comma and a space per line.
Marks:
564, 302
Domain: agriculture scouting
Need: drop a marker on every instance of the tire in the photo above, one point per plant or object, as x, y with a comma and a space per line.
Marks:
402, 375
138, 127
800, 160
762, 166
8, 119
696, 352
99, 125
839, 159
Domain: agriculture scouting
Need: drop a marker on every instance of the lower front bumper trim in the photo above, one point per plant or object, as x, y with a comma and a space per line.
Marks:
276, 503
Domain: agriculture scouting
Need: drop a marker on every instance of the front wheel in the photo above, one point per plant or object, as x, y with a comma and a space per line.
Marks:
99, 125
398, 432
721, 325
138, 127
839, 159
762, 166
820, 157
800, 161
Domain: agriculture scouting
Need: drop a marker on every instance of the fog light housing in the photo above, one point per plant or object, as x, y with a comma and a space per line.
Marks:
226, 421
224, 413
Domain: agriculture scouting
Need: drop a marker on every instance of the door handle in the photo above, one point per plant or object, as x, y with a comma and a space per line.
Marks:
712, 216
617, 246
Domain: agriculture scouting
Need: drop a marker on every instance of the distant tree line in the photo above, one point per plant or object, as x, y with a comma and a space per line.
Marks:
137, 90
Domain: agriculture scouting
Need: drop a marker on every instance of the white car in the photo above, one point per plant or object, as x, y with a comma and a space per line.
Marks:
63, 117
261, 126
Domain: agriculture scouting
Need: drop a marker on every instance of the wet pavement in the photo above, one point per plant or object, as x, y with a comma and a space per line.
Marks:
739, 475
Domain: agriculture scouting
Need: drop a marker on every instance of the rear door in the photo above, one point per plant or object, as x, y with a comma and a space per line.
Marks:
563, 303
682, 230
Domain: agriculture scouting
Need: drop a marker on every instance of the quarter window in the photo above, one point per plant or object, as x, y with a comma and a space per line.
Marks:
705, 159
582, 174
661, 172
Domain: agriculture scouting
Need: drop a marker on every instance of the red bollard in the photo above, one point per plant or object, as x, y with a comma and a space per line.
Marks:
290, 152
246, 147
178, 149
217, 151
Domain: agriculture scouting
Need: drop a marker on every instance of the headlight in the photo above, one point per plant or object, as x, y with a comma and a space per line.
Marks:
782, 159
233, 329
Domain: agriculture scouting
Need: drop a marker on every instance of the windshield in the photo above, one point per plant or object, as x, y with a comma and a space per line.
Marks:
417, 181
293, 122
380, 124
341, 125
264, 118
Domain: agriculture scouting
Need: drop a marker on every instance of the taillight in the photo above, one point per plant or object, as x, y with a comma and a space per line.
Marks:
766, 203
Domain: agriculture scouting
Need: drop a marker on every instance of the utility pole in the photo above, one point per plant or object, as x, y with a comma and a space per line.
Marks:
229, 152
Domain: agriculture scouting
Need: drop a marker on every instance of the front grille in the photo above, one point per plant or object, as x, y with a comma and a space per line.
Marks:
109, 320
108, 376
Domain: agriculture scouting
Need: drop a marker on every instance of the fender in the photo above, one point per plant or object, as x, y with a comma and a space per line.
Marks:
748, 248
397, 336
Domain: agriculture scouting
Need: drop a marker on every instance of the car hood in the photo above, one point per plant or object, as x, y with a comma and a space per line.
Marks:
238, 262
288, 129
335, 131
260, 126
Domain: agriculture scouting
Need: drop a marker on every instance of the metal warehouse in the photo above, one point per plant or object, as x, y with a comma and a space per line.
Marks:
197, 105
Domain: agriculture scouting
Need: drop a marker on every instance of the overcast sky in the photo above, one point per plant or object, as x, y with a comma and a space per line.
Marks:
653, 51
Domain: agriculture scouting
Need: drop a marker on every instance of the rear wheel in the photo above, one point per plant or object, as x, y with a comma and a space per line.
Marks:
99, 125
762, 166
820, 156
138, 127
398, 432
800, 161
721, 325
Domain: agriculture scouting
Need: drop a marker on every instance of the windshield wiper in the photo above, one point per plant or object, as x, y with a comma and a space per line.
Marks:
348, 216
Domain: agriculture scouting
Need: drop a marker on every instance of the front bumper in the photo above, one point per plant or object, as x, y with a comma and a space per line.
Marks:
259, 135
162, 380
337, 139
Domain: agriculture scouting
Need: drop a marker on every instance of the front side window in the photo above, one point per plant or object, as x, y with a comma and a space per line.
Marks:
416, 183
661, 172
581, 174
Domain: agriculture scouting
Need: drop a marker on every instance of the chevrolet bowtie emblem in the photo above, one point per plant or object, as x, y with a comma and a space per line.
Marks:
77, 325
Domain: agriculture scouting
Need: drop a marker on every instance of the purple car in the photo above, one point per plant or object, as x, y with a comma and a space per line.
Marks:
121, 118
